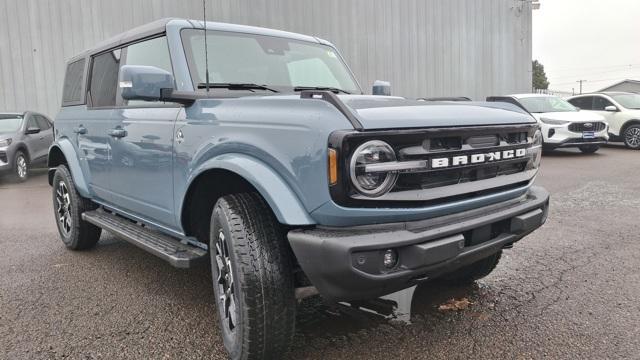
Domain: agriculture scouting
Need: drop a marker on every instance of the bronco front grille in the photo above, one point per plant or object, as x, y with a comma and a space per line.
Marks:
433, 184
589, 126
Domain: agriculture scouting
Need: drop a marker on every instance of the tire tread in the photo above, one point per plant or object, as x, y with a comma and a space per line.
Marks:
269, 298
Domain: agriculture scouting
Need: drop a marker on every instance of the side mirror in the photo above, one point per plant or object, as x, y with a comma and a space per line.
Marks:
611, 108
381, 88
32, 130
144, 82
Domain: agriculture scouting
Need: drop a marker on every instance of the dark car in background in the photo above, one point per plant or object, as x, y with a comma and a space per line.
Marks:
24, 142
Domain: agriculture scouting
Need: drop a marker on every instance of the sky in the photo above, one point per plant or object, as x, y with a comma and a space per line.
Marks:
593, 40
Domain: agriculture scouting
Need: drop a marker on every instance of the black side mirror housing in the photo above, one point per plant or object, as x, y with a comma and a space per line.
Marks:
381, 88
32, 130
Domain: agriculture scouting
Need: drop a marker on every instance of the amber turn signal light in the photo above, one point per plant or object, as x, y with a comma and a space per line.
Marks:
333, 167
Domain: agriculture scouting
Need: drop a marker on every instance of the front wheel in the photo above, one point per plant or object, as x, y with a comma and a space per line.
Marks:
252, 278
589, 149
632, 137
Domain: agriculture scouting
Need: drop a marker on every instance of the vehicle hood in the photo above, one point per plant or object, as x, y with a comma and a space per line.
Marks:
7, 135
382, 112
573, 116
387, 112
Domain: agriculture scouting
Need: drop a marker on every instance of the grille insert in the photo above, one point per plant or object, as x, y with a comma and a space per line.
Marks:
581, 127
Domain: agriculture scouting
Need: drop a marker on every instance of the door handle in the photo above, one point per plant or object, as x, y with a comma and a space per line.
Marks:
118, 133
80, 130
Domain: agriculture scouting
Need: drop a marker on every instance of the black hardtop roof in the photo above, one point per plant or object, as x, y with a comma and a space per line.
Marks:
136, 33
160, 26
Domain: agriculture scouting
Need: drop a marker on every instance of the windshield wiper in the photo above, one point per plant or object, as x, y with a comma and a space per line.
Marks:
323, 88
235, 86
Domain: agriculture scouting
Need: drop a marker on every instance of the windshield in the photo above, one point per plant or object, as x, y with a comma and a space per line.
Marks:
10, 123
630, 101
279, 63
545, 104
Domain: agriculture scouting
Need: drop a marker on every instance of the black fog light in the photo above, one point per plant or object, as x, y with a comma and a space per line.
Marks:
390, 259
552, 132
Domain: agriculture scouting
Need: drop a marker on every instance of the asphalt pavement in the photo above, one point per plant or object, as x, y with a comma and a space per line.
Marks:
571, 290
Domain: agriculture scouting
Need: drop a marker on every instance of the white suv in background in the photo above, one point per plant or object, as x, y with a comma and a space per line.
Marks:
562, 124
622, 111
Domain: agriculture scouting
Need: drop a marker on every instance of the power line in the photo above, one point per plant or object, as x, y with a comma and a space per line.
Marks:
599, 80
596, 67
591, 74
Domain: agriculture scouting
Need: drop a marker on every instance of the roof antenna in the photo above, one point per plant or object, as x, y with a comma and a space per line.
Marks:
206, 52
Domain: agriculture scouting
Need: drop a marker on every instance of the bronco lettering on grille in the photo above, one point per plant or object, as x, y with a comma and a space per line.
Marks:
445, 162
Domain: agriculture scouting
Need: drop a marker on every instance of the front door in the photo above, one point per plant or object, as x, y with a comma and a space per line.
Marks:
142, 169
36, 141
613, 117
46, 136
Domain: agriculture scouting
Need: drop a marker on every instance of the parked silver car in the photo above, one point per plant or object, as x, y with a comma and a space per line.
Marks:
24, 142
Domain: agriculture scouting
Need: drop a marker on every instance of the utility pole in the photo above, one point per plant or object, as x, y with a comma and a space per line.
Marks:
581, 81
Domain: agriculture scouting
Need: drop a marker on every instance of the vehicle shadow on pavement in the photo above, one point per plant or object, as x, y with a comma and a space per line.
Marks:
320, 325
36, 177
559, 153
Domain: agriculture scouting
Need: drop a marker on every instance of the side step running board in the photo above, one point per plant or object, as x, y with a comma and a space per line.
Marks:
165, 247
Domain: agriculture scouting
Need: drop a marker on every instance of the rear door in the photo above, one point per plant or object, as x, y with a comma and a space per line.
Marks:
93, 132
142, 178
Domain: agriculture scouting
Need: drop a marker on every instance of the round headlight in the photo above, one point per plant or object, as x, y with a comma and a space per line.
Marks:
372, 183
535, 151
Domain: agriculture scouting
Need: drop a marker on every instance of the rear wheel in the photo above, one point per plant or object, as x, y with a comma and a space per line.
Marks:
475, 271
68, 207
631, 137
589, 149
252, 278
20, 167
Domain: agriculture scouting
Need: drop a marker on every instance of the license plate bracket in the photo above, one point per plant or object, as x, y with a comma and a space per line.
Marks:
588, 135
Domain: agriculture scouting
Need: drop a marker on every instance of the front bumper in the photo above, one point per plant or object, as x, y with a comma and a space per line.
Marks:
556, 136
576, 143
5, 164
346, 263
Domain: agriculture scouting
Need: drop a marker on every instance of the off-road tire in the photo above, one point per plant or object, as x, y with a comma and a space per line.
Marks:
262, 280
589, 149
81, 234
475, 271
630, 137
21, 167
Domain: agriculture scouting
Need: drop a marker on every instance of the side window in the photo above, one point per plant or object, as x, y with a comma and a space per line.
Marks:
584, 103
104, 79
32, 122
154, 52
43, 123
599, 103
73, 83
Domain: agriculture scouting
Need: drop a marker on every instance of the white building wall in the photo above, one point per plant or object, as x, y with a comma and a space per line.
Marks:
469, 48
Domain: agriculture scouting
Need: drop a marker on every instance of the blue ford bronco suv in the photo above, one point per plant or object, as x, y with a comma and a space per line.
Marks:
256, 150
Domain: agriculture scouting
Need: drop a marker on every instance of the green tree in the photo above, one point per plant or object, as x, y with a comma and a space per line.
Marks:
539, 77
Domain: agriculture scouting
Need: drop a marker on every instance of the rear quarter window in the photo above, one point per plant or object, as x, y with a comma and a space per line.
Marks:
73, 84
